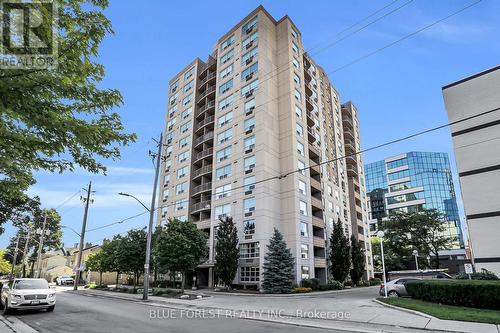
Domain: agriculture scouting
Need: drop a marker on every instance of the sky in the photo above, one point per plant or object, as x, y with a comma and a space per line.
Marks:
397, 90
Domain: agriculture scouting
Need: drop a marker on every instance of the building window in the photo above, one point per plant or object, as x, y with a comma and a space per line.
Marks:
181, 188
180, 204
249, 88
222, 211
174, 86
189, 73
294, 33
296, 63
249, 40
225, 136
298, 95
296, 79
303, 229
304, 251
188, 86
249, 105
303, 208
249, 227
184, 142
304, 272
226, 86
300, 130
298, 112
171, 122
226, 102
228, 42
223, 172
185, 127
182, 218
302, 187
248, 205
302, 167
183, 156
300, 148
249, 163
223, 191
168, 163
225, 119
249, 123
249, 183
249, 142
226, 57
250, 24
166, 180
187, 99
182, 172
248, 57
249, 274
249, 250
224, 154
186, 113
295, 48
248, 73
226, 71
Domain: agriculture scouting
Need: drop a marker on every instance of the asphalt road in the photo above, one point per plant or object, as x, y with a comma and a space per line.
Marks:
78, 313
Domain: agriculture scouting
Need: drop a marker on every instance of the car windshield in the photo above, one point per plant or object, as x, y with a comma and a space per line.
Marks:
31, 284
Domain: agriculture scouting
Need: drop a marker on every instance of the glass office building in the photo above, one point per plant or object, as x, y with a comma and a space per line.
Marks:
412, 181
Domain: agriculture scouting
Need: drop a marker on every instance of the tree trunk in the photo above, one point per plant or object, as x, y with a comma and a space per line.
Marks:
100, 278
117, 275
135, 279
32, 269
183, 281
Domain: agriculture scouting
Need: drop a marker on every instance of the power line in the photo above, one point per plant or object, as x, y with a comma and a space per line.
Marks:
68, 199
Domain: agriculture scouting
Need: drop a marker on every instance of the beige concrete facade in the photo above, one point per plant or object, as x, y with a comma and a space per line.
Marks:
257, 109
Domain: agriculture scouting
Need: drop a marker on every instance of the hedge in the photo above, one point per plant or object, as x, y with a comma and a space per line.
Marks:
475, 293
301, 290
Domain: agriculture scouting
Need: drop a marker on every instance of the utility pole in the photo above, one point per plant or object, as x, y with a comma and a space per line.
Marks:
14, 258
38, 271
87, 201
151, 217
25, 253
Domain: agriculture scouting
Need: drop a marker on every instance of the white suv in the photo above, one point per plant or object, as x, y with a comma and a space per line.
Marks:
27, 294
64, 280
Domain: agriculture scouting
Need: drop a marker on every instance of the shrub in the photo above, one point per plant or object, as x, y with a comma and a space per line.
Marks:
478, 276
92, 286
477, 294
363, 283
375, 281
307, 283
335, 285
348, 284
302, 290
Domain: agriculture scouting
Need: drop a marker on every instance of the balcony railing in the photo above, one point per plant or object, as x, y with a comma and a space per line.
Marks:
318, 241
208, 78
316, 202
203, 154
319, 262
201, 139
200, 206
202, 188
318, 222
204, 122
206, 107
207, 92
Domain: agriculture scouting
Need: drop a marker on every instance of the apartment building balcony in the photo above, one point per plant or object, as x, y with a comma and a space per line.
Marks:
210, 65
316, 203
316, 185
352, 171
208, 93
348, 133
347, 122
314, 152
203, 224
318, 222
318, 242
203, 154
202, 139
207, 107
205, 122
314, 169
351, 160
350, 147
309, 103
206, 187
310, 119
201, 206
319, 262
204, 170
210, 78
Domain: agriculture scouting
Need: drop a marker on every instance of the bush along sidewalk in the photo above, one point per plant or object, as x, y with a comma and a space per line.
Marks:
475, 293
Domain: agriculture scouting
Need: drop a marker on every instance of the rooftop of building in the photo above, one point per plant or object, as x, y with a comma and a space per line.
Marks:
474, 76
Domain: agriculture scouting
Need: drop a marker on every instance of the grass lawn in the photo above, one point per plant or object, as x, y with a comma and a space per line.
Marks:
446, 311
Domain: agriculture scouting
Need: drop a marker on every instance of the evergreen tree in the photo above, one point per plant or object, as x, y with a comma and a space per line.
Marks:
358, 260
340, 259
278, 266
226, 251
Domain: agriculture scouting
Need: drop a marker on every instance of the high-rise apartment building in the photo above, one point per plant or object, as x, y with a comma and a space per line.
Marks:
409, 182
477, 155
245, 133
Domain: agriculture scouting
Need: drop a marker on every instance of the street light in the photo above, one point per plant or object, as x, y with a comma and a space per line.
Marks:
415, 254
380, 235
149, 236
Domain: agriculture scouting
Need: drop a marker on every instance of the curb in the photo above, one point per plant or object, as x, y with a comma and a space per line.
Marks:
16, 325
415, 312
306, 295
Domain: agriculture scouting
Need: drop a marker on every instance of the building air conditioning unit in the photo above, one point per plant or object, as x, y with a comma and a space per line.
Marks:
249, 93
249, 60
249, 30
249, 77
249, 45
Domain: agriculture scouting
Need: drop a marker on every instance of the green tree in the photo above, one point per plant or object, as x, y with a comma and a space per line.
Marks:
226, 251
181, 247
132, 253
357, 259
5, 265
61, 117
278, 266
340, 258
110, 256
424, 231
93, 264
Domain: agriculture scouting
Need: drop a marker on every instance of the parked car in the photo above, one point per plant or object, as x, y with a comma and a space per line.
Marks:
396, 287
27, 294
64, 280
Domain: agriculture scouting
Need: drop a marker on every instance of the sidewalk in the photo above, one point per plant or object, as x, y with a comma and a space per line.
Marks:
358, 315
11, 324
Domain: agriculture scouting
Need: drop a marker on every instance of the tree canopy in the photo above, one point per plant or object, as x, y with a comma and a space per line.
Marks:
357, 259
227, 253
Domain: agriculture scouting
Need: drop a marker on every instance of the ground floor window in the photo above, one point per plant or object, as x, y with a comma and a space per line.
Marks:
305, 272
249, 274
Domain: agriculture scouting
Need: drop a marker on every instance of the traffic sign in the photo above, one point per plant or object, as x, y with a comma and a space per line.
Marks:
468, 269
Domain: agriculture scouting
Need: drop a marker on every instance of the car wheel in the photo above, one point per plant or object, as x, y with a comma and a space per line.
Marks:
6, 310
51, 308
1, 305
393, 293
